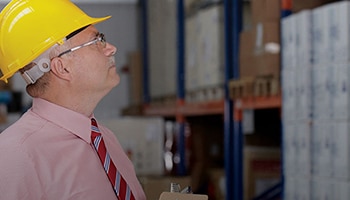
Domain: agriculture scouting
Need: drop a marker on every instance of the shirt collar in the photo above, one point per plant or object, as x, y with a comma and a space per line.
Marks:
74, 122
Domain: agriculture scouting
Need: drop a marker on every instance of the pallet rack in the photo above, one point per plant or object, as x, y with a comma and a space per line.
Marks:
232, 111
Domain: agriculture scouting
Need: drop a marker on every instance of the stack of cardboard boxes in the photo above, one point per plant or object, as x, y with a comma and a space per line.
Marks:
260, 45
259, 53
316, 100
204, 54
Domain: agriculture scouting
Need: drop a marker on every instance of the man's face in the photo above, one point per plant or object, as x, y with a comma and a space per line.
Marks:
93, 66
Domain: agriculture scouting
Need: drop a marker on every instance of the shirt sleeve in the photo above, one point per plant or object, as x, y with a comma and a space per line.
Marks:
18, 177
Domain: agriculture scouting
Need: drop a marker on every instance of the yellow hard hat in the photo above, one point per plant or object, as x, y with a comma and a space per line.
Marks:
30, 27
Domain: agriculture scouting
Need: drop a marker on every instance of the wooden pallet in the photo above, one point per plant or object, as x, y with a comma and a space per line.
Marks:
163, 100
266, 86
205, 94
241, 88
254, 87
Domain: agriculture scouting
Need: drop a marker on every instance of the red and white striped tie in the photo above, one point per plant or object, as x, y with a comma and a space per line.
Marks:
120, 186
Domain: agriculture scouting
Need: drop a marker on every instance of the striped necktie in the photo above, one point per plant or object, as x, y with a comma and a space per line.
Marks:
120, 186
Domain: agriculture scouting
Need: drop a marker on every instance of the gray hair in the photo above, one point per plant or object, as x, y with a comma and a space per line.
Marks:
36, 73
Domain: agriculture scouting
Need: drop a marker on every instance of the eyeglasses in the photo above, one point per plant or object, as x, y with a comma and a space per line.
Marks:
100, 38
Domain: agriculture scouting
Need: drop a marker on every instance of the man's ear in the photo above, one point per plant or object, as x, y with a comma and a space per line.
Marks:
58, 67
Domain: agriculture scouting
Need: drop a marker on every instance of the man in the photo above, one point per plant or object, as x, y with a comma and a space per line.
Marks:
57, 150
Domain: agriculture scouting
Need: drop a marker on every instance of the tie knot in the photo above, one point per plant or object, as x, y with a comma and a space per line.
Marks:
93, 122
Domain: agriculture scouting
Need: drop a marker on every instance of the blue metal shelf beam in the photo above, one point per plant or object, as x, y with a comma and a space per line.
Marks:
228, 116
146, 93
233, 134
181, 49
181, 84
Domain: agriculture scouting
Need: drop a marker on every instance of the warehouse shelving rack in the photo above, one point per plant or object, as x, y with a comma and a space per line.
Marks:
181, 109
232, 111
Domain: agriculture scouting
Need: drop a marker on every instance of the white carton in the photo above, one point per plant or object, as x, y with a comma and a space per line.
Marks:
321, 91
211, 46
321, 148
338, 15
288, 95
340, 190
341, 98
315, 148
341, 151
143, 140
321, 189
331, 83
304, 38
289, 187
320, 35
302, 188
303, 152
288, 40
303, 92
325, 148
162, 28
289, 149
191, 55
304, 62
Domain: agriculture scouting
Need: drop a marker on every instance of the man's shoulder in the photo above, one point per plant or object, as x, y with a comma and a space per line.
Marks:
19, 131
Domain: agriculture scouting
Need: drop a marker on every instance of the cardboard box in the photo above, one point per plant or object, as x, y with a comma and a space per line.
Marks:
260, 50
267, 64
262, 169
246, 54
246, 43
267, 49
180, 196
266, 34
266, 11
142, 138
136, 83
153, 186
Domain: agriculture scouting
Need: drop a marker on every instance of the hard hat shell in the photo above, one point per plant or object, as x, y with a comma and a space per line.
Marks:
30, 27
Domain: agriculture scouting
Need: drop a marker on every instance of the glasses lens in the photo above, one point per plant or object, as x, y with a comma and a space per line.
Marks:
102, 39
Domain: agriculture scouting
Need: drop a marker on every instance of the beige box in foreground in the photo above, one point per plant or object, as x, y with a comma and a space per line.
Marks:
155, 185
142, 138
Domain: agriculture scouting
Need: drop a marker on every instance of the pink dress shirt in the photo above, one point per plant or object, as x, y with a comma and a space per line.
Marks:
47, 154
